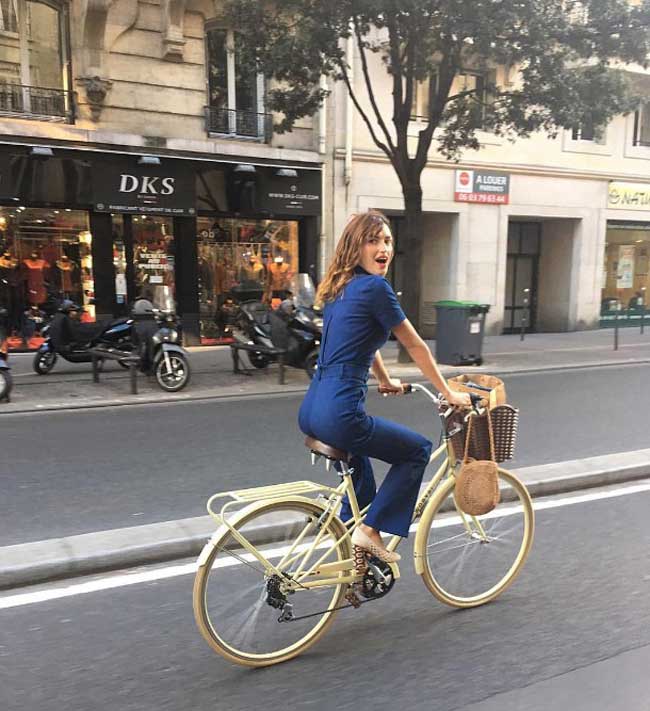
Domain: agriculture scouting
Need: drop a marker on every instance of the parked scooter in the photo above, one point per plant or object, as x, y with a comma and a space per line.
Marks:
294, 327
67, 337
150, 333
6, 382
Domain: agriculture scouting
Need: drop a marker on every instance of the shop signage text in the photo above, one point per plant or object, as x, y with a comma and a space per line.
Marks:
482, 186
297, 196
629, 196
167, 189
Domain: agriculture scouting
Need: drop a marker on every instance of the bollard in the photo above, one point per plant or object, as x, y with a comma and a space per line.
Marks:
616, 330
524, 315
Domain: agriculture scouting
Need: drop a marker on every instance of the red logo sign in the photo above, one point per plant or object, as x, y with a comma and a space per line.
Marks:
463, 178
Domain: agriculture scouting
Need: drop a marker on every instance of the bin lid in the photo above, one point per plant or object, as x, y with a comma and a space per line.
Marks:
473, 305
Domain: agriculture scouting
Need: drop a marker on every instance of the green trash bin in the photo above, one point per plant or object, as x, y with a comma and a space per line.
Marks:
459, 332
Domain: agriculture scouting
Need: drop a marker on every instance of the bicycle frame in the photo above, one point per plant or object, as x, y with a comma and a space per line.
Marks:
319, 574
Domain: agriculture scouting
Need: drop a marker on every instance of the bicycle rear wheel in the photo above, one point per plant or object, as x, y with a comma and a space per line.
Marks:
234, 596
467, 561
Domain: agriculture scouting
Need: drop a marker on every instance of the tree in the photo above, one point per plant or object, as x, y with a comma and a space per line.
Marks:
566, 55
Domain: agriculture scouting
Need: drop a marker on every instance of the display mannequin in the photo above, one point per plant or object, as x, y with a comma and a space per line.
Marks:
35, 274
279, 276
65, 273
253, 270
9, 292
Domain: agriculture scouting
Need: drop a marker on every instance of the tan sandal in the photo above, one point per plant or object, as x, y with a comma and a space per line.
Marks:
361, 540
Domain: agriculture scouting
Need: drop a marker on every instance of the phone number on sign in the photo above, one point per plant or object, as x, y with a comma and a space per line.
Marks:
482, 197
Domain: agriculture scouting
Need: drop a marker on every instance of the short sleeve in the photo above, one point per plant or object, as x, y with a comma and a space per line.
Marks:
385, 306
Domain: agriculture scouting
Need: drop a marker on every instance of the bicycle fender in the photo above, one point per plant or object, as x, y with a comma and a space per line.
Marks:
420, 544
246, 511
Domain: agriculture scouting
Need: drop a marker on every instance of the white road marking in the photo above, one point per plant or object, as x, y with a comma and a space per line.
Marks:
118, 581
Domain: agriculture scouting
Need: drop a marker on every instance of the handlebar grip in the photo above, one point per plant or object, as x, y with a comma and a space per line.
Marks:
407, 388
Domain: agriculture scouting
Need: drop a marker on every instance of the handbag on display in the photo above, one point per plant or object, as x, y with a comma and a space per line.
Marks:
477, 483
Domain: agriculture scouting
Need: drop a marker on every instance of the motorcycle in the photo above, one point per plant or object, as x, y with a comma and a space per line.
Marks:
6, 382
67, 337
150, 333
295, 327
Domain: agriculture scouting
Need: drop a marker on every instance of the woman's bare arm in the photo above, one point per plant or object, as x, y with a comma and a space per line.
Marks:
419, 351
379, 369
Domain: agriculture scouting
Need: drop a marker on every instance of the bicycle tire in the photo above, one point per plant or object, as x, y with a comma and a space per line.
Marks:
314, 627
433, 572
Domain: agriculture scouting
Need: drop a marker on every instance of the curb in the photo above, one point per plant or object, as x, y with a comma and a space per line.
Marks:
407, 374
44, 561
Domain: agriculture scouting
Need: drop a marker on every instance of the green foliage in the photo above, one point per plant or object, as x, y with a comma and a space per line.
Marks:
565, 53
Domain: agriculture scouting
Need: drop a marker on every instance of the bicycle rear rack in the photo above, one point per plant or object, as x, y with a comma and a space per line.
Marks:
259, 493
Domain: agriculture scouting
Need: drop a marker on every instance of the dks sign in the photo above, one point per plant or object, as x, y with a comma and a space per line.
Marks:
126, 186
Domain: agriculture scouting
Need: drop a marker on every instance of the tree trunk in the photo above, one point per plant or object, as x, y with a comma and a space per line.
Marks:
411, 247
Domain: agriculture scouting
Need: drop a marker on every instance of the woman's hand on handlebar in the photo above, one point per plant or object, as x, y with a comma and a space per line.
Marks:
456, 399
392, 386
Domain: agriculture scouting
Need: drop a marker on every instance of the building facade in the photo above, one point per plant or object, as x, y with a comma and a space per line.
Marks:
567, 219
137, 157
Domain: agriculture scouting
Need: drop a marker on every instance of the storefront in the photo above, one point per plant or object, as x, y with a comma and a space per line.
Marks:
101, 229
626, 278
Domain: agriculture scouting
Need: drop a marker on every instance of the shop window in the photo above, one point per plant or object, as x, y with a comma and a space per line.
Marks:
34, 74
642, 125
626, 277
235, 90
45, 257
154, 259
242, 260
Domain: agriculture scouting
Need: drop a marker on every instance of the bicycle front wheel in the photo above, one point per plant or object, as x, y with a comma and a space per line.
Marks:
239, 595
466, 561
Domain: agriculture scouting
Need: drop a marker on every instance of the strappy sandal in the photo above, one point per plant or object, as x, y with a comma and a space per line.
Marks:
365, 543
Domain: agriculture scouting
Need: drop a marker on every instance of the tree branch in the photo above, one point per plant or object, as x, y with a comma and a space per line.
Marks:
364, 116
371, 93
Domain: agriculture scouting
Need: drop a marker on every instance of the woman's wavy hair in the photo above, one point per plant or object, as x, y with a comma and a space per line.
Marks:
348, 253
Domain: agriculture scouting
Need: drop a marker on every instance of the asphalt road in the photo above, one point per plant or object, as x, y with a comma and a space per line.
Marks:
572, 632
73, 472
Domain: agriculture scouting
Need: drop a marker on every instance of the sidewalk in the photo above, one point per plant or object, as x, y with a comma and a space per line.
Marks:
70, 386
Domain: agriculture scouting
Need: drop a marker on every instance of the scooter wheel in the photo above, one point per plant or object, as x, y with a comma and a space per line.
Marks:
258, 360
176, 379
44, 362
6, 383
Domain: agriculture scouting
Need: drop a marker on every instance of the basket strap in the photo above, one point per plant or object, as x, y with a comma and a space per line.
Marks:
491, 433
467, 438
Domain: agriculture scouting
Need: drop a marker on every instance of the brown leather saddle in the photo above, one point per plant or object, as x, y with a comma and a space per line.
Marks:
318, 447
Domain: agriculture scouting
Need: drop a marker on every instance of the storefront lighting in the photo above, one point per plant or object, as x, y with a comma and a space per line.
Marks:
148, 160
42, 151
245, 168
286, 173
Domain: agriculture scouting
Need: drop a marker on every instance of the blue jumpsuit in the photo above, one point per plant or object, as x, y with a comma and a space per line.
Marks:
357, 324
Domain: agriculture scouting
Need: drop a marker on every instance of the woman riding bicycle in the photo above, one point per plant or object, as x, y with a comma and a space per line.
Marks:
360, 310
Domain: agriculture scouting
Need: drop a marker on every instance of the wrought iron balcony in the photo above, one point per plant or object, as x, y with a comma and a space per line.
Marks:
238, 123
36, 102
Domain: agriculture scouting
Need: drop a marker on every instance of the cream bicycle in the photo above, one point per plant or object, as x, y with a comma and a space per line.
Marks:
273, 576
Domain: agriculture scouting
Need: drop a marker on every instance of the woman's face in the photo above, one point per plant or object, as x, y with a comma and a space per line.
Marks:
377, 252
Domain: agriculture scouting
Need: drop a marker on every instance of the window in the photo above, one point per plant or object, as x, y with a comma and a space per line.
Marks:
34, 73
642, 125
235, 91
587, 131
420, 105
477, 83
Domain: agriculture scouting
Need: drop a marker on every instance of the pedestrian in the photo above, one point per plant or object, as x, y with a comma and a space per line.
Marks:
360, 311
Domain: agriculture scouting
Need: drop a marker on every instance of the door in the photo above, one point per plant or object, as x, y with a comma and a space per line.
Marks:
524, 241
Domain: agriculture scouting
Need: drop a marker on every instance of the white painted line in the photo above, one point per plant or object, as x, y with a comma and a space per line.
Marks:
118, 581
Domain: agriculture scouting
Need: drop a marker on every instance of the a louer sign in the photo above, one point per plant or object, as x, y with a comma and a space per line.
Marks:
482, 186
125, 186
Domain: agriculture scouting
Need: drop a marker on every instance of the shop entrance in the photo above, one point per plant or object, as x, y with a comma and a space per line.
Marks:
522, 273
144, 260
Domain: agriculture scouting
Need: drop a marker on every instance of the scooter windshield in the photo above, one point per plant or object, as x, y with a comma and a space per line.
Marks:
303, 290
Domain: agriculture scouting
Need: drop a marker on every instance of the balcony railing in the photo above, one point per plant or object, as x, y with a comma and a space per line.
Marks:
37, 102
238, 123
